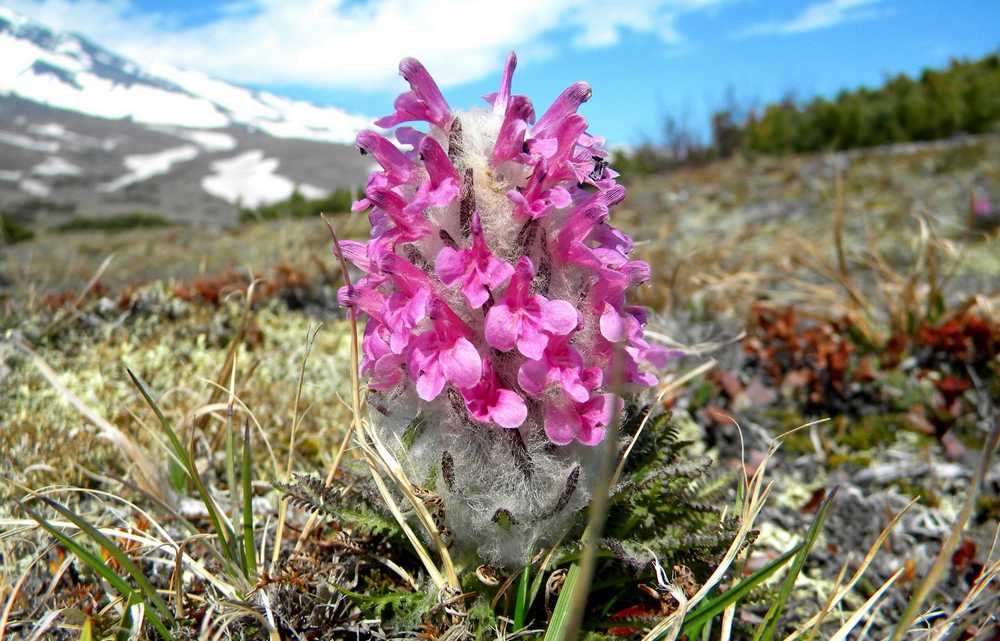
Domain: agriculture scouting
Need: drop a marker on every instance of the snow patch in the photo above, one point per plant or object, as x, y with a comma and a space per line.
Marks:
250, 180
210, 141
145, 166
51, 130
35, 187
7, 175
56, 166
26, 142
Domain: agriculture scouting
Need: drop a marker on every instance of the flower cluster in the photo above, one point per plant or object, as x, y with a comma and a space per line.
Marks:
492, 279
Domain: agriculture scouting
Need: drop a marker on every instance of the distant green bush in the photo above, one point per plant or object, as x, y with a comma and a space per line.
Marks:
119, 222
298, 206
963, 98
12, 232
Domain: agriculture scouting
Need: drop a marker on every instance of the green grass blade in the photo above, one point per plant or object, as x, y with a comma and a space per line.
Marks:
521, 605
115, 552
712, 607
560, 616
246, 476
85, 632
765, 631
224, 533
235, 492
96, 564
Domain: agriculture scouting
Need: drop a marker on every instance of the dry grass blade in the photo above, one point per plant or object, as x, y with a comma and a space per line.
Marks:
857, 615
979, 586
355, 384
229, 365
756, 496
16, 590
379, 456
944, 556
279, 530
839, 595
59, 320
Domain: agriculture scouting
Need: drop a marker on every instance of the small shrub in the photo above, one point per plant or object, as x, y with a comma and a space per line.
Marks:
12, 232
298, 206
116, 223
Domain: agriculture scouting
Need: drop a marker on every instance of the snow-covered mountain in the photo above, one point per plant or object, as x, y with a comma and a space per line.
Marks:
90, 131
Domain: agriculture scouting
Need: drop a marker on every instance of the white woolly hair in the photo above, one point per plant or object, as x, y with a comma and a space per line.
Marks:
506, 492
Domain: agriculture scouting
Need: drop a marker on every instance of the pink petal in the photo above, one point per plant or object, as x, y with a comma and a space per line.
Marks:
438, 165
430, 383
559, 317
501, 327
532, 376
450, 265
357, 253
474, 292
591, 434
386, 153
560, 197
509, 410
387, 372
497, 271
613, 325
426, 89
567, 103
531, 342
562, 424
500, 100
574, 387
462, 364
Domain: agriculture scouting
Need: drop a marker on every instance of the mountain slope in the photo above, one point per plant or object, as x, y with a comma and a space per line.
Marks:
83, 129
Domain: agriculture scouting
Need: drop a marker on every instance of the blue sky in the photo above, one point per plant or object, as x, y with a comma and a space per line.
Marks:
644, 58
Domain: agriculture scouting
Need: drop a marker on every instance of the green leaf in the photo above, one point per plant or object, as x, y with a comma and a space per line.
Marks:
521, 605
711, 607
765, 631
560, 615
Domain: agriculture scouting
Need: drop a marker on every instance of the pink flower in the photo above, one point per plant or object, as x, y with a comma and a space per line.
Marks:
408, 304
527, 321
442, 187
408, 218
583, 422
379, 362
446, 309
562, 108
476, 269
561, 368
487, 401
444, 354
396, 165
424, 102
535, 200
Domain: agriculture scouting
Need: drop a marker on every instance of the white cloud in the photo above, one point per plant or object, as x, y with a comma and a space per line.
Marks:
819, 15
338, 43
